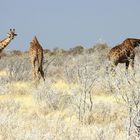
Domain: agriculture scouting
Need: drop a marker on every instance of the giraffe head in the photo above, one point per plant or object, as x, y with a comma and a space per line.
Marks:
134, 42
11, 34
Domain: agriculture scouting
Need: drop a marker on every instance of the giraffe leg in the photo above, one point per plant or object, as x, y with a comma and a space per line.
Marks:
127, 65
37, 69
113, 65
42, 73
33, 70
112, 68
40, 65
132, 65
40, 70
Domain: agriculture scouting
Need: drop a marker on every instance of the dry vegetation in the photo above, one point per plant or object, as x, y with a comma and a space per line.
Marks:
80, 99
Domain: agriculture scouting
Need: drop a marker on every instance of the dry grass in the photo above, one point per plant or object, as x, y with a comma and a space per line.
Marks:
50, 110
33, 121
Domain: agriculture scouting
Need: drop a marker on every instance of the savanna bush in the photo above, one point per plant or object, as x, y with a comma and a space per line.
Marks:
84, 73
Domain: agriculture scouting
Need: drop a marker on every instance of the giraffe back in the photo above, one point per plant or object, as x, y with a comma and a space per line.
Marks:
123, 51
36, 51
36, 58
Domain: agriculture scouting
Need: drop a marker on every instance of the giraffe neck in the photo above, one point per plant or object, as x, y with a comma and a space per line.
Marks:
4, 43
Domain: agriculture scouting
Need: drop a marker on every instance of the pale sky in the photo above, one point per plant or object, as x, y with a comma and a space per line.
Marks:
68, 23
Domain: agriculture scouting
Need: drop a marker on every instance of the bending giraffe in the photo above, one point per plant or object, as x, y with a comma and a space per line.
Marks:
36, 58
124, 53
10, 36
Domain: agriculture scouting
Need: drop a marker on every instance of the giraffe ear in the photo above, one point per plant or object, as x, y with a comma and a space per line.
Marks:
13, 30
10, 30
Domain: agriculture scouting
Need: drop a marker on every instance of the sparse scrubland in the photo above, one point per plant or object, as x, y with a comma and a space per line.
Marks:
79, 100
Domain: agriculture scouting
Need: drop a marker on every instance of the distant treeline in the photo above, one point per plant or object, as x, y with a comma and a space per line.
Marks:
59, 51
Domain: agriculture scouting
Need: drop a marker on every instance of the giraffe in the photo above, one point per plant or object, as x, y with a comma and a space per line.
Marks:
36, 59
124, 53
10, 36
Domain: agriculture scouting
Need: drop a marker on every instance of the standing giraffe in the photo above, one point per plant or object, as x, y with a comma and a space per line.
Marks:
10, 36
36, 58
124, 52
